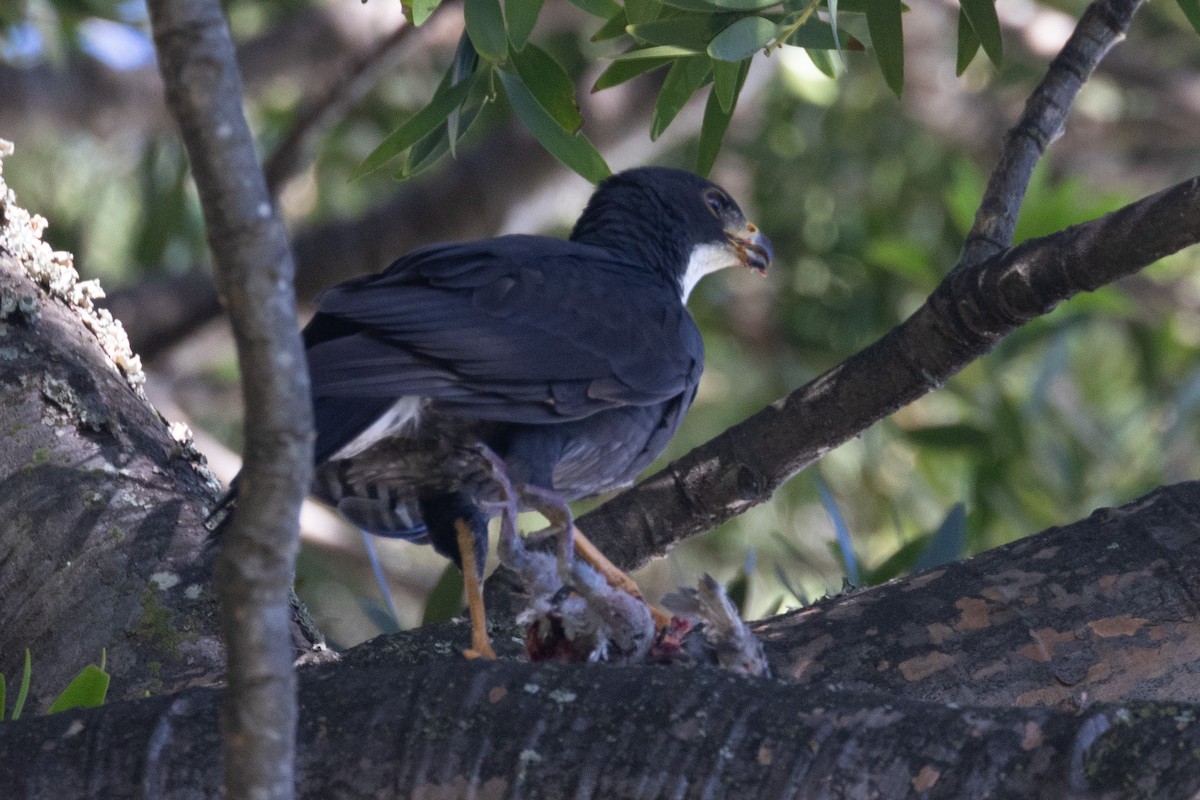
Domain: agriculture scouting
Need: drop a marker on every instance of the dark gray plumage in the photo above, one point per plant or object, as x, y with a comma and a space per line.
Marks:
573, 360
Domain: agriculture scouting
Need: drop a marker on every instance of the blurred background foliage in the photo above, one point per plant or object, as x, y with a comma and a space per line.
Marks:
867, 198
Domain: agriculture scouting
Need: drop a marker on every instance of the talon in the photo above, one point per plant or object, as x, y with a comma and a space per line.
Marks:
616, 577
562, 525
486, 652
481, 646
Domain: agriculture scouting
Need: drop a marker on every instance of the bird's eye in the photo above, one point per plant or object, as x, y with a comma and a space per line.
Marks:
716, 201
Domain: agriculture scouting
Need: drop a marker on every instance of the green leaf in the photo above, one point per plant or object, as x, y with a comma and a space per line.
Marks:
417, 11
743, 39
982, 16
550, 84
845, 543
949, 542
833, 21
604, 9
816, 33
620, 71
666, 51
904, 258
958, 436
685, 77
612, 28
445, 600
726, 75
575, 151
521, 16
87, 690
716, 122
898, 562
466, 60
691, 31
446, 99
850, 6
430, 150
425, 154
721, 5
887, 37
23, 690
485, 24
642, 11
787, 584
738, 591
1191, 10
823, 61
968, 44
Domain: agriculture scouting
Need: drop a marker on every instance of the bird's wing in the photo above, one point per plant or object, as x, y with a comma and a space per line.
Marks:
517, 329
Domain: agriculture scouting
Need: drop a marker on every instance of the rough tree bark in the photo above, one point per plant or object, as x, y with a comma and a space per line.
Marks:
103, 542
254, 271
1056, 667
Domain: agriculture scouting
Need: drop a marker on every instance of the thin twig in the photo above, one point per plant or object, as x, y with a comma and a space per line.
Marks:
1102, 25
253, 267
318, 113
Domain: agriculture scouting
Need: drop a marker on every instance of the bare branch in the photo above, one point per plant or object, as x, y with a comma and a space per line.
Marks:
1102, 25
254, 272
318, 113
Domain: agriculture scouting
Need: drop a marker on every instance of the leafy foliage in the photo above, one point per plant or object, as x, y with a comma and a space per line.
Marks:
705, 42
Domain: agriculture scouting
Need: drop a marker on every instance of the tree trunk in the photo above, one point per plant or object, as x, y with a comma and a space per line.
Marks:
102, 544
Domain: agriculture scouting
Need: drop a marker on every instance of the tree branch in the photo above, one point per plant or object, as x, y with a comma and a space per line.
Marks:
503, 729
102, 544
254, 272
963, 319
1097, 611
1102, 25
318, 113
1053, 667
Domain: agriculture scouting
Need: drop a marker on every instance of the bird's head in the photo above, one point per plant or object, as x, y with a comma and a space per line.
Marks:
673, 221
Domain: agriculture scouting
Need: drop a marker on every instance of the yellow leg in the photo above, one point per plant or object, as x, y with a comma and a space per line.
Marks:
481, 645
615, 577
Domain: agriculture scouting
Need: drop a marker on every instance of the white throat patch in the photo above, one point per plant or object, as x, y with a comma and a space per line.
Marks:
705, 258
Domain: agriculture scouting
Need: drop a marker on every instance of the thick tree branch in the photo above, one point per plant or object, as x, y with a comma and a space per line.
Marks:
465, 729
254, 272
1059, 666
1106, 609
101, 510
963, 319
1102, 25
